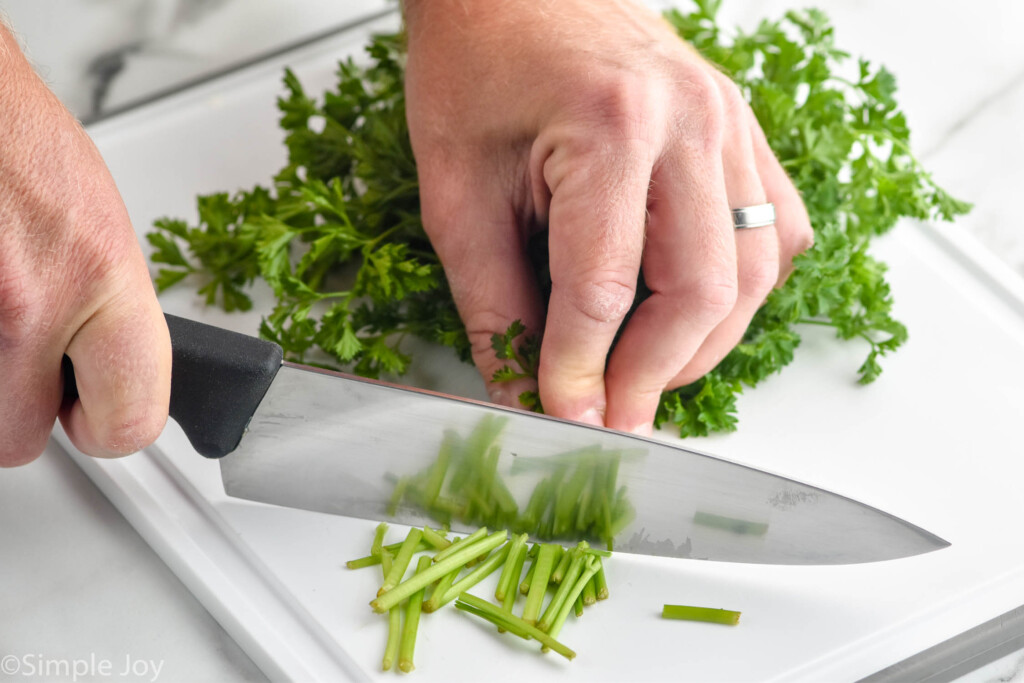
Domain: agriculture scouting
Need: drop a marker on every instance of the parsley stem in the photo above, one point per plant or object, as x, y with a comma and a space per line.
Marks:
478, 574
578, 606
394, 621
412, 542
513, 624
435, 539
472, 538
600, 582
709, 614
589, 568
441, 587
524, 587
371, 561
563, 566
513, 590
539, 583
412, 622
590, 592
378, 539
567, 586
465, 552
517, 546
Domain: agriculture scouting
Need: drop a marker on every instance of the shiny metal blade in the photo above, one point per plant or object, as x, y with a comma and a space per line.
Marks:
333, 443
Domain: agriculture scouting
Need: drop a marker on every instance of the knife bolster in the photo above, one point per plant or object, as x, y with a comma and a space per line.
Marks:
218, 379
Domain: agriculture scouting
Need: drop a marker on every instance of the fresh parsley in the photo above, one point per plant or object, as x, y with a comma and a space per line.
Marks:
338, 236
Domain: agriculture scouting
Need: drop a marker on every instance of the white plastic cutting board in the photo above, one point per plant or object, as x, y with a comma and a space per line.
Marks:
935, 441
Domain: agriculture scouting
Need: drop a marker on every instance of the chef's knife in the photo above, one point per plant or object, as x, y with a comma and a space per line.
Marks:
303, 437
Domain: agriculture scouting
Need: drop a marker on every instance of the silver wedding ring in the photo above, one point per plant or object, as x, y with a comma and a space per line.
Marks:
753, 216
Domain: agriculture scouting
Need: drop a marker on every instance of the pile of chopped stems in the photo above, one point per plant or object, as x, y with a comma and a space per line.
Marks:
577, 496
559, 581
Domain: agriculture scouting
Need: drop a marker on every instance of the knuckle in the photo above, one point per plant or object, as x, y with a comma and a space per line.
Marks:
20, 306
132, 430
604, 299
621, 104
710, 299
759, 277
702, 123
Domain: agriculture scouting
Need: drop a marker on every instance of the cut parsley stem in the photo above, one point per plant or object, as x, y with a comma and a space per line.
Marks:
468, 540
539, 583
558, 573
590, 592
600, 582
589, 569
401, 563
479, 573
437, 540
372, 561
511, 623
442, 586
378, 539
463, 553
710, 614
412, 622
578, 607
513, 590
394, 621
524, 587
516, 546
568, 585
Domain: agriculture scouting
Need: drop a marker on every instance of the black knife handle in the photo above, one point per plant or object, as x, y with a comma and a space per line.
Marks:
218, 379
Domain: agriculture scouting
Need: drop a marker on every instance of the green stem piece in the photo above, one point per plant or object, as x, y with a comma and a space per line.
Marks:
524, 587
590, 592
563, 565
511, 623
468, 540
437, 540
378, 539
600, 582
589, 570
412, 542
394, 621
463, 554
539, 583
371, 561
412, 622
516, 547
578, 607
564, 589
434, 603
510, 595
478, 574
709, 614
440, 468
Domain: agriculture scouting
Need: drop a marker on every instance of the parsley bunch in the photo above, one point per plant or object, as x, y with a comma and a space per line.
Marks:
338, 237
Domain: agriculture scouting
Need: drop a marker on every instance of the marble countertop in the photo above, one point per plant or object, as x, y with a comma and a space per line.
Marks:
88, 589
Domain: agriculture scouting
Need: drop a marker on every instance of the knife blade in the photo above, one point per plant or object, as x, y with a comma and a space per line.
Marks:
325, 441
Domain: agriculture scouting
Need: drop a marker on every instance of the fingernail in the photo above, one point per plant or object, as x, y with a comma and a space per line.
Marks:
592, 416
499, 396
645, 429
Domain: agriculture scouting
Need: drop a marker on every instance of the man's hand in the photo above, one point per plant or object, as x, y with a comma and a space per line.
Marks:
592, 117
72, 280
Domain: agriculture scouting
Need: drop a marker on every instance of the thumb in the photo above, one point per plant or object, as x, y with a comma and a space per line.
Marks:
122, 365
483, 251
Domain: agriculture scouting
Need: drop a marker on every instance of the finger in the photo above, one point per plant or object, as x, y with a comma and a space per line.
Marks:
757, 254
474, 231
690, 267
792, 224
596, 227
122, 361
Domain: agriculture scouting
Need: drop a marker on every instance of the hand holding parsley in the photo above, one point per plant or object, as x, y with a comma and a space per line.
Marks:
348, 201
590, 118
